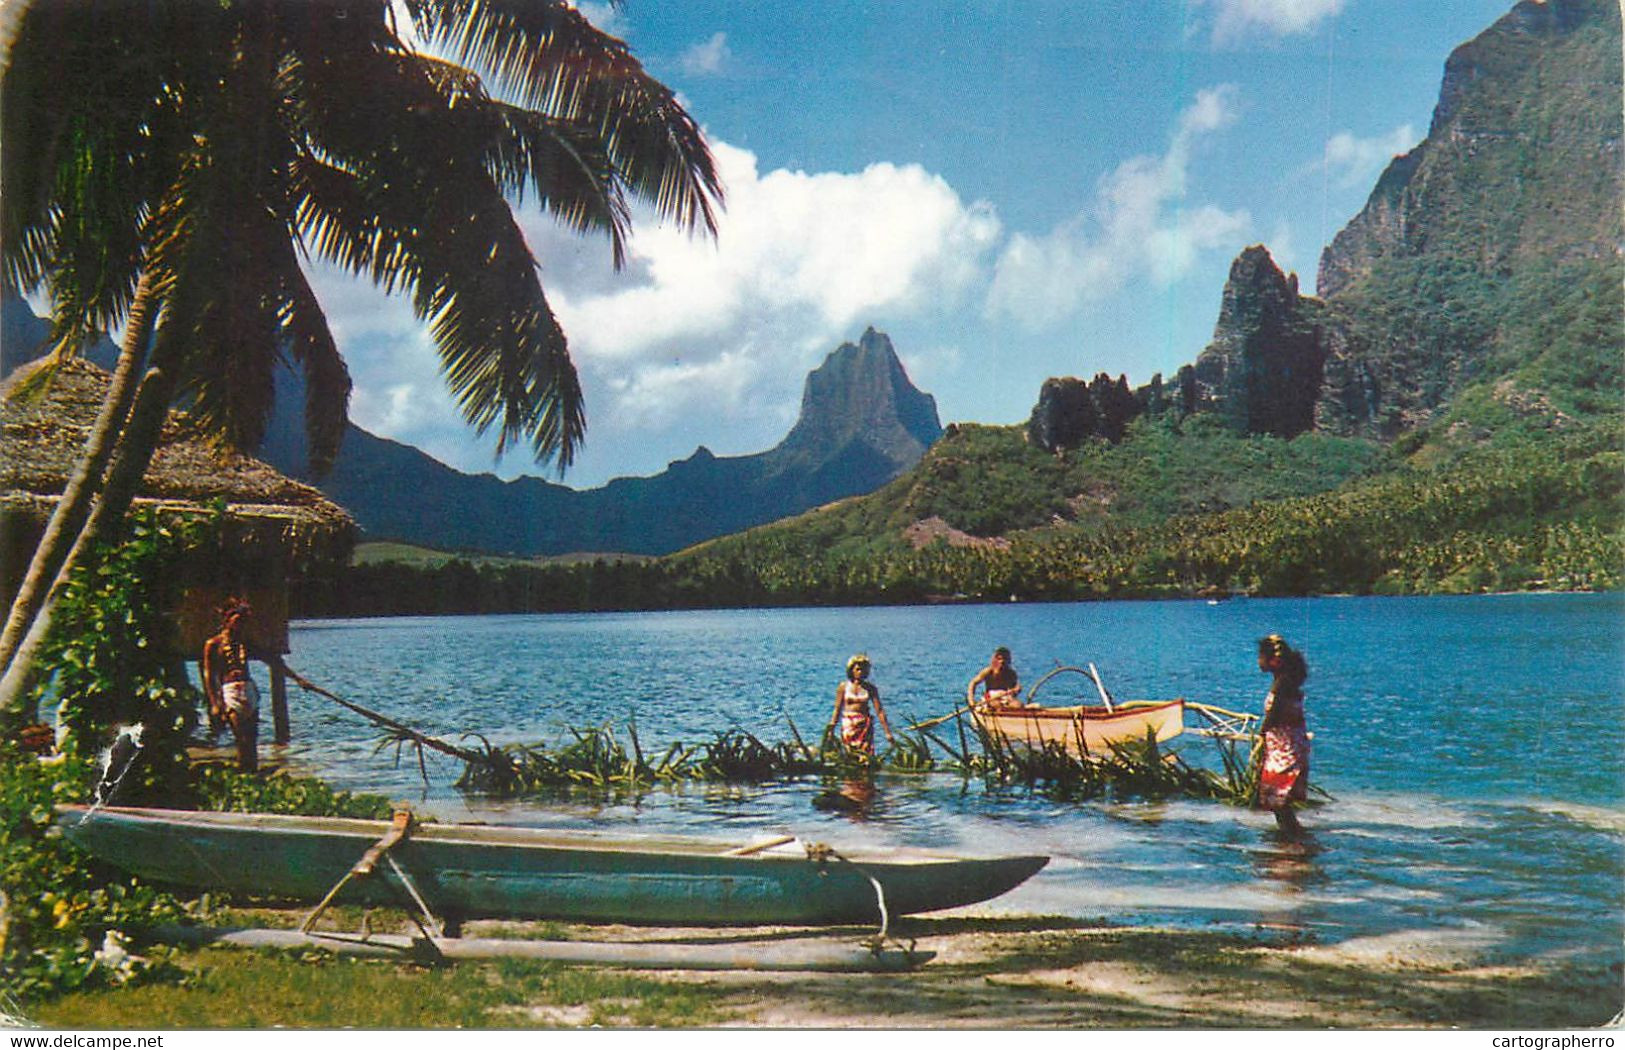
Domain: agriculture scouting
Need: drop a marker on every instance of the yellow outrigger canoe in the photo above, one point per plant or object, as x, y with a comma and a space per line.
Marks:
1085, 729
1090, 729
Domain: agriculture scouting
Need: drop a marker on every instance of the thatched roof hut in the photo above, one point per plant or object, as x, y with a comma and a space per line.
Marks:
274, 525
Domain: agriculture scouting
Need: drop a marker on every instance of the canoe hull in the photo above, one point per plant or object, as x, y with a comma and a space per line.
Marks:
1083, 730
477, 870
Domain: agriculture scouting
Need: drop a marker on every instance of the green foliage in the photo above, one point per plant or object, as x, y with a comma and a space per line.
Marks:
110, 652
68, 921
219, 788
595, 758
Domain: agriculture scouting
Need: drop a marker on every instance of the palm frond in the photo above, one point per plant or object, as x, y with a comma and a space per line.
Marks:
502, 351
547, 57
91, 127
565, 165
392, 195
219, 325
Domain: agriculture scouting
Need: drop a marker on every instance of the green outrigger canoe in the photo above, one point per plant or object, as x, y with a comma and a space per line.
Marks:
478, 870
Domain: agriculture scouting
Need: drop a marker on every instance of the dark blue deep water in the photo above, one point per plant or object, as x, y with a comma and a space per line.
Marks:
1474, 748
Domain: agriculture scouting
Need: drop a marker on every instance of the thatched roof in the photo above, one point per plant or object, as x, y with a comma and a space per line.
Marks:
42, 438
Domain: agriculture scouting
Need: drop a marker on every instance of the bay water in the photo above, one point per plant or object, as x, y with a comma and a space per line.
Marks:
1473, 749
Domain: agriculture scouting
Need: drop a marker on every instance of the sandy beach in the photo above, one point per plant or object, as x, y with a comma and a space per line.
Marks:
989, 972
1053, 973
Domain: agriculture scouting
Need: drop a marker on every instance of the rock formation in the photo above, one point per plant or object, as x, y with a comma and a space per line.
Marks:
1262, 371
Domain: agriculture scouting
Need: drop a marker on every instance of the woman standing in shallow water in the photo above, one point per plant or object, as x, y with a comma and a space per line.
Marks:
1285, 775
857, 706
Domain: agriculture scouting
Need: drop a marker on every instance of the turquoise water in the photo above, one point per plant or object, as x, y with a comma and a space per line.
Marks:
1474, 748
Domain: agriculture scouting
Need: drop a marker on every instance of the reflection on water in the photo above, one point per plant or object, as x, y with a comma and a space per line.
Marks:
1460, 813
853, 798
1289, 861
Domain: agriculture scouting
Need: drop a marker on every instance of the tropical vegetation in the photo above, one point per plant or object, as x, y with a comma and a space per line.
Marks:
1176, 510
168, 165
124, 715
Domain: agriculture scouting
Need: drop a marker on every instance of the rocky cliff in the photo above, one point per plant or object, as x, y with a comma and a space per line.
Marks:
1488, 257
860, 394
1482, 253
1522, 158
1262, 372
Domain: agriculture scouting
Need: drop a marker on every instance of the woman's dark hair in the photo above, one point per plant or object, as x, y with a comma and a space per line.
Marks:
1293, 664
1002, 651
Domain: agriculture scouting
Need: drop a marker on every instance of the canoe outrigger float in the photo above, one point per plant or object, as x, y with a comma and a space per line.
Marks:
476, 870
1087, 729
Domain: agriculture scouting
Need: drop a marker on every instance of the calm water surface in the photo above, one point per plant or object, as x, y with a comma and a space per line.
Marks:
1474, 747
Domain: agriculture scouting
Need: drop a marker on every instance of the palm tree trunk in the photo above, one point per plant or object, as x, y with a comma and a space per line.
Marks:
73, 507
137, 442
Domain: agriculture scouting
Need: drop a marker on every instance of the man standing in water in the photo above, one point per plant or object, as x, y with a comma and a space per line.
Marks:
230, 690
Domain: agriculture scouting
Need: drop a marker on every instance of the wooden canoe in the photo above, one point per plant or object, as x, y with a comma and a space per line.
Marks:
469, 870
1085, 729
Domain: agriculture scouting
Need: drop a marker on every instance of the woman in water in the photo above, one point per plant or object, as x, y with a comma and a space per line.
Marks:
857, 705
1284, 778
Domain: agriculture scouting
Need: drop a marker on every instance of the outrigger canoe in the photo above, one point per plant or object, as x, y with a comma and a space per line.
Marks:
1084, 729
476, 870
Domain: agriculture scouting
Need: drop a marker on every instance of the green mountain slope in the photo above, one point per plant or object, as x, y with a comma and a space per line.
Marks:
1488, 258
1449, 416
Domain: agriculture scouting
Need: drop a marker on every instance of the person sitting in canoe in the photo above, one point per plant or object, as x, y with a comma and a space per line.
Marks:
233, 698
857, 705
1284, 778
1000, 685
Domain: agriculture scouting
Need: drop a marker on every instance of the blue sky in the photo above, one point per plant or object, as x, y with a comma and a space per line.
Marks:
1011, 190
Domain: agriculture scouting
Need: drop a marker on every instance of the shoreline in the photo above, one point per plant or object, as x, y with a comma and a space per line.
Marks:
990, 972
298, 618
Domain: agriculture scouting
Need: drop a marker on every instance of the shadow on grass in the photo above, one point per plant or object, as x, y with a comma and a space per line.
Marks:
1006, 973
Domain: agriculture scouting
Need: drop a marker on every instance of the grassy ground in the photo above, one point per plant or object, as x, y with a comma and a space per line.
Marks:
989, 973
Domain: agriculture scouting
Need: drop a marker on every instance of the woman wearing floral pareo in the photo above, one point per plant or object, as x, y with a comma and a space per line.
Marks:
1284, 778
857, 706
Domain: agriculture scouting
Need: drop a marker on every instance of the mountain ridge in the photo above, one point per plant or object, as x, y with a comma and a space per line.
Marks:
862, 423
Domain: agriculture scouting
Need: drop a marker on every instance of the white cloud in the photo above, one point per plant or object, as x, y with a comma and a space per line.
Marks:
1234, 20
1353, 161
801, 262
1283, 246
708, 58
655, 393
1136, 227
692, 329
606, 17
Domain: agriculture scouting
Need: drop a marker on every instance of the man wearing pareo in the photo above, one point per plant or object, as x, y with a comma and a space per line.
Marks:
233, 698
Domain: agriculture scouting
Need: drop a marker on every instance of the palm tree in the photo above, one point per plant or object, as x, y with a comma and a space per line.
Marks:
170, 164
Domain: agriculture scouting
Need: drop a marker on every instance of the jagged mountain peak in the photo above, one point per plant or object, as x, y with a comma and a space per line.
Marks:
861, 391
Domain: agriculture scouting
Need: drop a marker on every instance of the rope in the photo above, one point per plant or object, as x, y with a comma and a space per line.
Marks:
822, 853
401, 728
